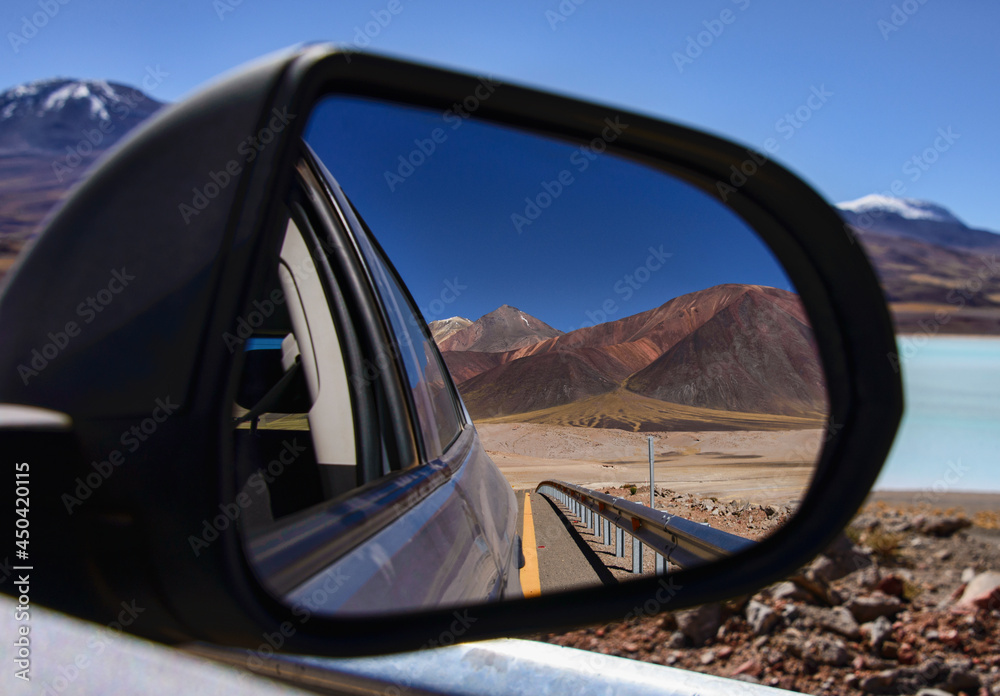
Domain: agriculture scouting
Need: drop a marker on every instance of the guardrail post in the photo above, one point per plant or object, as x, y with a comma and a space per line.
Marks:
671, 539
652, 478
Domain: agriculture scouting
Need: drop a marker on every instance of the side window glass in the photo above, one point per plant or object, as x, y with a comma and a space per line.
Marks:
433, 395
294, 437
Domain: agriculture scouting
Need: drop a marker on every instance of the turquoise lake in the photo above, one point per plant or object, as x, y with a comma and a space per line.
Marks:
950, 435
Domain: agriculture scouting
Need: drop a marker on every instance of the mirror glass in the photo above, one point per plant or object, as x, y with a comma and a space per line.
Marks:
594, 313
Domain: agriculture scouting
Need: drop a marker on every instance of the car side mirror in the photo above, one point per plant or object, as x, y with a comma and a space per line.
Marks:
367, 510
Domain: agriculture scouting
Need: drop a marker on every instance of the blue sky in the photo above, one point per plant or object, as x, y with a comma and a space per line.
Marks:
897, 71
609, 239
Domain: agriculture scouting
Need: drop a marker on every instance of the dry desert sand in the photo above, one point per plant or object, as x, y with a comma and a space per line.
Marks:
761, 467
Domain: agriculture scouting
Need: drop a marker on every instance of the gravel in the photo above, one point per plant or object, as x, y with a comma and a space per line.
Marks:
907, 602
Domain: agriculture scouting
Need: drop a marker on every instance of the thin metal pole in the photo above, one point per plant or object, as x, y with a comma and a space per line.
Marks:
651, 479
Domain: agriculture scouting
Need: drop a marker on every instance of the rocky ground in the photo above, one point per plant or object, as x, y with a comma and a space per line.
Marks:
906, 602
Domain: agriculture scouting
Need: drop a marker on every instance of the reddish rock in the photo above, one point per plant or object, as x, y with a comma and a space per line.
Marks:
906, 654
889, 650
750, 667
891, 585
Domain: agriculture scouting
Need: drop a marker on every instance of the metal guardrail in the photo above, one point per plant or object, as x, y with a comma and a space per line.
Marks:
672, 538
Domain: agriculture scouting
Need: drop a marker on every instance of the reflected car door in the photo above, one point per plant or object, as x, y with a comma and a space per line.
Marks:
434, 529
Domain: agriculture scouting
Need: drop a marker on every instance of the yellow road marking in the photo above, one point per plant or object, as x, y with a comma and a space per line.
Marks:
531, 586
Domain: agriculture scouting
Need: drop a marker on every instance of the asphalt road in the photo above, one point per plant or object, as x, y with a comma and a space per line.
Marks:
562, 559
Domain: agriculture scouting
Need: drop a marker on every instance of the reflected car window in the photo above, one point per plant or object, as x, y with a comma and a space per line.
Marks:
433, 398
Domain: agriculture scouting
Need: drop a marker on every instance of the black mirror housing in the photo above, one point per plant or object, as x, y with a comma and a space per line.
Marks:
180, 210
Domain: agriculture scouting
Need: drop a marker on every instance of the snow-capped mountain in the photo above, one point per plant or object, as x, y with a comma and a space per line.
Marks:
503, 329
443, 328
907, 208
914, 219
938, 274
51, 115
51, 131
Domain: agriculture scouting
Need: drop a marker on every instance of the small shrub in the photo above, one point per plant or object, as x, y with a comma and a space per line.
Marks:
911, 591
632, 489
884, 545
854, 534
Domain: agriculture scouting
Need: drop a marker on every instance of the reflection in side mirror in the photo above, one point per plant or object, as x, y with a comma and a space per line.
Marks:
600, 320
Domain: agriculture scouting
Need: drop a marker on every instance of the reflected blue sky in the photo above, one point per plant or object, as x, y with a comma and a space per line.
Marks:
475, 216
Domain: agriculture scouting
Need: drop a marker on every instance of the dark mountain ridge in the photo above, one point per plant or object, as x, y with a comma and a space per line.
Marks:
50, 115
939, 275
51, 131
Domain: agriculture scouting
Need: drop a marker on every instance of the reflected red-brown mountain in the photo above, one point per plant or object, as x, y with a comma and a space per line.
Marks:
531, 384
504, 329
727, 349
443, 328
755, 355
